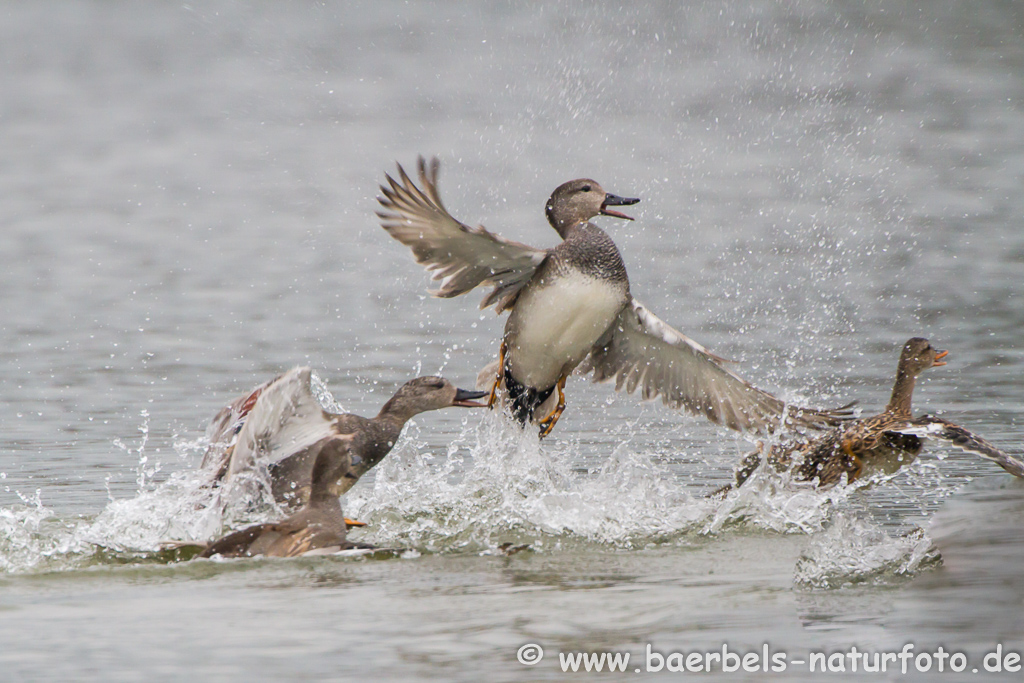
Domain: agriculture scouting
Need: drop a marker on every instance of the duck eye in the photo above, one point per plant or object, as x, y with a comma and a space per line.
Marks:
587, 188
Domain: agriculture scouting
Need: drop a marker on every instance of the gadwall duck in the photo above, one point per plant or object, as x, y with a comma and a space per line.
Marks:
882, 443
318, 528
281, 423
570, 305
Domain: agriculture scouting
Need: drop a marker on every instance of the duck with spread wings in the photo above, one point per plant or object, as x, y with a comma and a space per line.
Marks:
570, 307
882, 443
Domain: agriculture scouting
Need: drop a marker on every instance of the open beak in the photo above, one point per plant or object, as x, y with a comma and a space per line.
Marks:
349, 523
940, 354
465, 398
616, 200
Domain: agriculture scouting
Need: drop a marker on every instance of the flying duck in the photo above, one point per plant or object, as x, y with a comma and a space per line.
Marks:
570, 307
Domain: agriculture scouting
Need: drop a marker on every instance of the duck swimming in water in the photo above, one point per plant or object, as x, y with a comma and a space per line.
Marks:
318, 528
570, 306
281, 424
882, 443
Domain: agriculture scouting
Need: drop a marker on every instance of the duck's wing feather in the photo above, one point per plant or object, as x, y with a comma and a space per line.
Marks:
222, 432
459, 256
309, 539
937, 428
237, 543
642, 351
285, 420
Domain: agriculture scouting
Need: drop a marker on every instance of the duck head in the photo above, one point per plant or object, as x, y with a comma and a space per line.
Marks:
333, 462
577, 201
429, 393
918, 355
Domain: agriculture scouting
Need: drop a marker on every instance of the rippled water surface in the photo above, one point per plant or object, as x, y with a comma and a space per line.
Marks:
188, 209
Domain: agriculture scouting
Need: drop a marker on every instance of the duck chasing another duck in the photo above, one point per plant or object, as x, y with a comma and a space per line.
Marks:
282, 424
570, 306
882, 443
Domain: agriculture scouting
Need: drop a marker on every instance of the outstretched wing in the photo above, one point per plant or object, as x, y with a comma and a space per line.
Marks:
937, 428
642, 351
459, 256
285, 420
222, 432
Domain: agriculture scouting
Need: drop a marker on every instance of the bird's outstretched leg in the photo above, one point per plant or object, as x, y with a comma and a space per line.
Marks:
854, 464
548, 423
501, 374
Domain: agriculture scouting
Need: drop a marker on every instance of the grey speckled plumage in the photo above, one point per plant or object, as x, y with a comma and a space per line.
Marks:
588, 250
571, 307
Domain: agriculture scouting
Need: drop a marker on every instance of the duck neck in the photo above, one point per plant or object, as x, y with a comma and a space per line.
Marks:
394, 415
563, 227
902, 392
376, 441
324, 499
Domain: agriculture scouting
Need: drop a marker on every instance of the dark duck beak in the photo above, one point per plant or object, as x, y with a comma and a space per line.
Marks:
465, 398
615, 200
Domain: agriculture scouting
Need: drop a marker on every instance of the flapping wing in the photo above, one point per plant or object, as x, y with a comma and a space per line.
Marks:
285, 419
937, 428
642, 351
459, 256
222, 432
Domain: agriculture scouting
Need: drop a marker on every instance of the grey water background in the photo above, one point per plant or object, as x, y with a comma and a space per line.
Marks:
188, 196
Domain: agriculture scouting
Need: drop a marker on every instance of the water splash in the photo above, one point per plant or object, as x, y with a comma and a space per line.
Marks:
855, 551
493, 484
183, 507
773, 501
27, 534
323, 395
145, 469
497, 484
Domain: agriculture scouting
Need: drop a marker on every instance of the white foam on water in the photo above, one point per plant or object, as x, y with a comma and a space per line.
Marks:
28, 534
497, 483
183, 507
775, 501
854, 550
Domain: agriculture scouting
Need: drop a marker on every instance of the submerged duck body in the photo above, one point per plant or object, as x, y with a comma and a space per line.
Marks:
571, 307
282, 425
882, 443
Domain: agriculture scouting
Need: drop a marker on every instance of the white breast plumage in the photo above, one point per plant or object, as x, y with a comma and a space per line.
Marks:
554, 326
